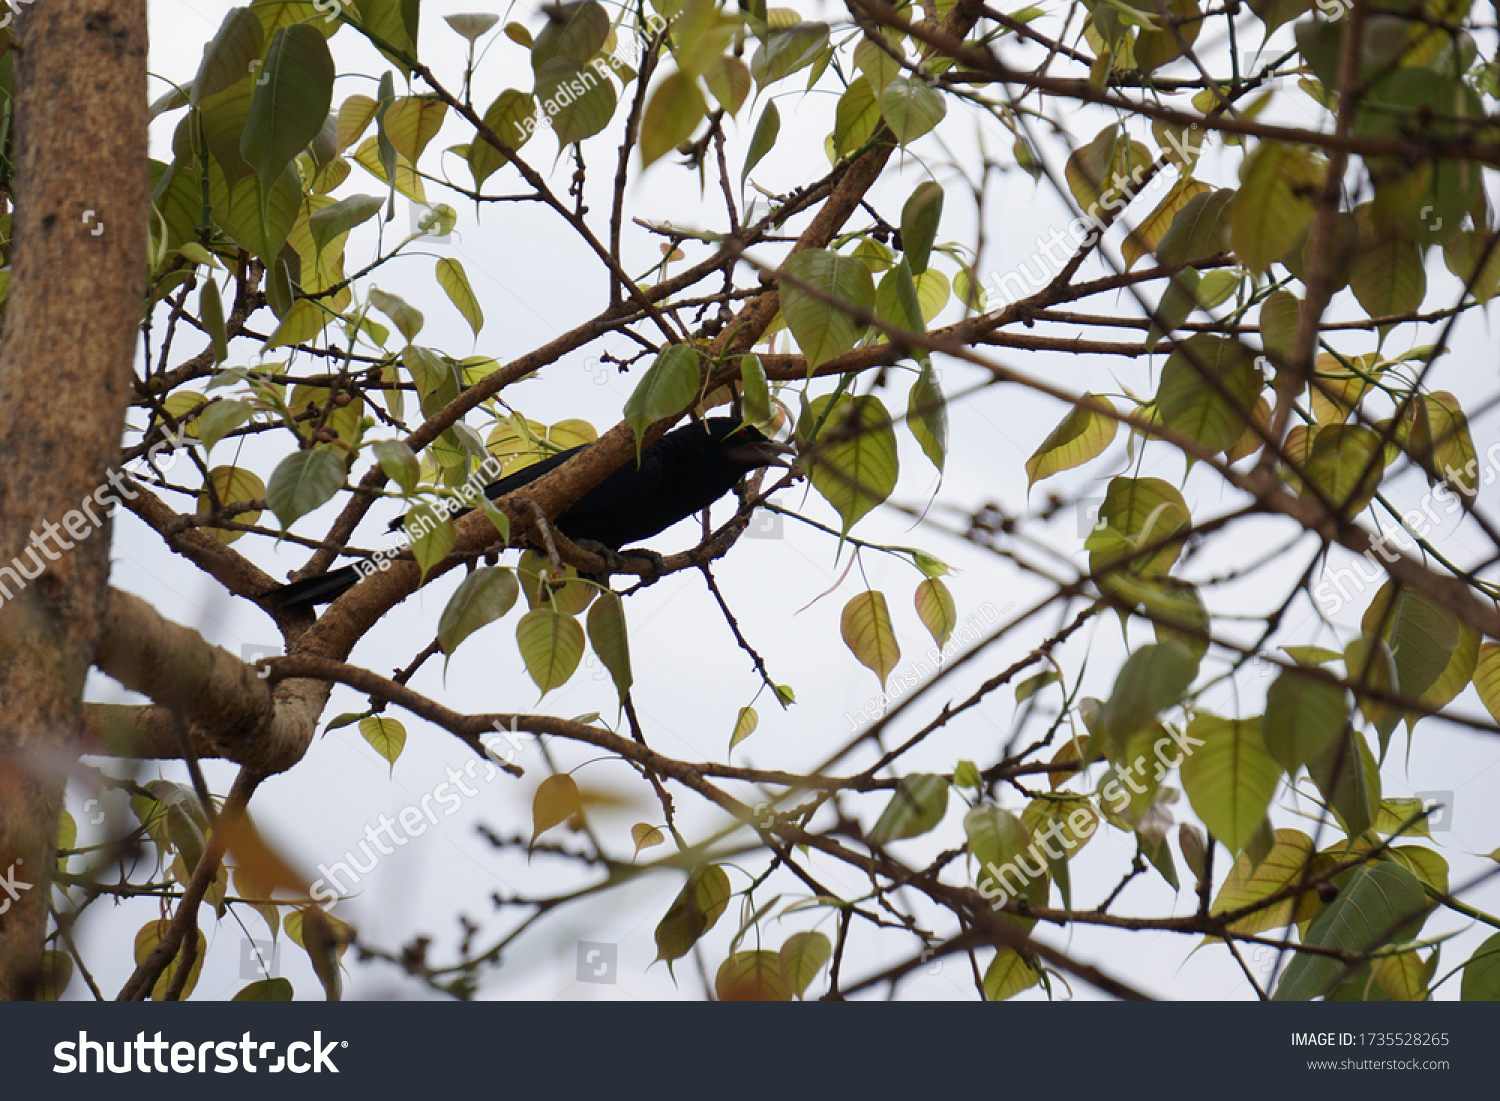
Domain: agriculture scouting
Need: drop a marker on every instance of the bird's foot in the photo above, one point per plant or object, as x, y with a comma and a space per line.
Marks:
658, 563
614, 561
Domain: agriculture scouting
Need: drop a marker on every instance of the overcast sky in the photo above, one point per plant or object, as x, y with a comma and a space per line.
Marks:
534, 282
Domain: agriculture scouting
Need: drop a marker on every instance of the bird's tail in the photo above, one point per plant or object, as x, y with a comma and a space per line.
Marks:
322, 588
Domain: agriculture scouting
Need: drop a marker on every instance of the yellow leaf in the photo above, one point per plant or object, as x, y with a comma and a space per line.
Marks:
1082, 435
645, 836
866, 627
936, 609
455, 283
744, 726
556, 800
1153, 227
387, 736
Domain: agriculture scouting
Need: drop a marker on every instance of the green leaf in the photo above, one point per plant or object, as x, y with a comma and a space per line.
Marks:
673, 113
611, 641
786, 50
669, 385
1154, 678
927, 416
911, 108
1387, 275
1101, 173
582, 114
1000, 844
1230, 778
966, 774
303, 481
1374, 902
1453, 455
266, 990
1082, 435
431, 535
763, 139
261, 228
744, 726
1250, 881
1144, 237
919, 223
1007, 975
220, 419
324, 938
227, 59
543, 588
866, 627
1304, 718
289, 109
1033, 684
399, 463
1208, 389
1137, 512
1463, 253
1402, 815
386, 736
1435, 652
1178, 301
1348, 778
551, 646
393, 22
897, 301
801, 958
408, 319
1274, 203
1199, 229
1487, 678
411, 122
510, 118
695, 911
936, 610
852, 462
1280, 315
728, 79
1370, 664
855, 119
878, 66
484, 596
916, 807
148, 938
1481, 981
455, 283
332, 221
751, 977
1341, 453
755, 391
304, 321
1276, 13
577, 32
1177, 613
1215, 288
822, 329
355, 115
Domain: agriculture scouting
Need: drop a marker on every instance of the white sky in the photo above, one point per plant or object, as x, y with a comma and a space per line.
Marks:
534, 282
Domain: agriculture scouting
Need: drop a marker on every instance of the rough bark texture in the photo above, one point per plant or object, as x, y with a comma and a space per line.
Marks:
81, 191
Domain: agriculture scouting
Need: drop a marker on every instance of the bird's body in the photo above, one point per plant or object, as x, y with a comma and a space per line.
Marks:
684, 472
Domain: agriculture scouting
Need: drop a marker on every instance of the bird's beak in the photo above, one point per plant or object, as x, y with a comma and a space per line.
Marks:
760, 453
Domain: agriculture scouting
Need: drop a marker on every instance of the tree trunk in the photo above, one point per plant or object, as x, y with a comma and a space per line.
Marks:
81, 193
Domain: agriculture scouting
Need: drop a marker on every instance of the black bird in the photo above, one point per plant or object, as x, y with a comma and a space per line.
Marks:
684, 472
